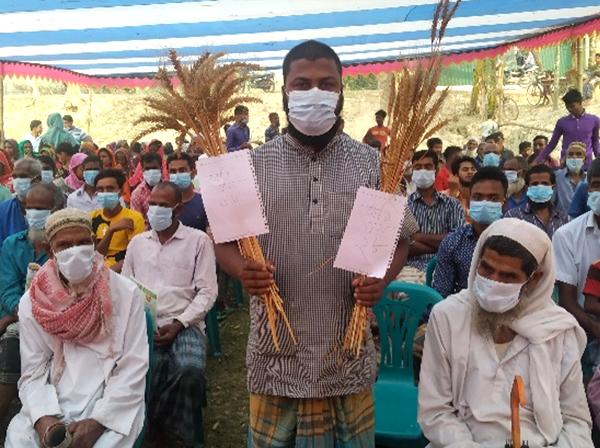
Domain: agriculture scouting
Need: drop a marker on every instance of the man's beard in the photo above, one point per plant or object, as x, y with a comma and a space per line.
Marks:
491, 324
514, 187
464, 183
37, 236
317, 142
539, 205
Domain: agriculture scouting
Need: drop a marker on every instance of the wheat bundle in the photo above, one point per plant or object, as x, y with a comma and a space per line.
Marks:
413, 110
196, 103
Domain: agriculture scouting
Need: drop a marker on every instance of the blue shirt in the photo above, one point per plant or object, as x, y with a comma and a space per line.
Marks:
558, 218
453, 261
513, 203
236, 137
579, 203
444, 215
17, 253
194, 214
12, 219
565, 188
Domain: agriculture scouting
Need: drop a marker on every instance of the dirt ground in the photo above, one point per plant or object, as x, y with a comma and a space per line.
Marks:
114, 113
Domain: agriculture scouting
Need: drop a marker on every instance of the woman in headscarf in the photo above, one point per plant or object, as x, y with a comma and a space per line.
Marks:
74, 180
5, 172
123, 162
157, 147
504, 324
56, 132
25, 148
107, 157
47, 150
11, 148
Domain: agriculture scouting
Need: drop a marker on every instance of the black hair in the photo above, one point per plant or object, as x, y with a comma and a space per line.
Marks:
434, 141
34, 124
495, 137
375, 144
136, 147
543, 137
157, 143
498, 135
524, 145
67, 118
226, 126
151, 157
48, 161
67, 148
451, 150
240, 109
424, 154
111, 173
182, 156
572, 96
540, 169
58, 198
170, 186
381, 113
504, 246
458, 162
91, 159
310, 50
490, 173
593, 170
521, 162
273, 115
168, 148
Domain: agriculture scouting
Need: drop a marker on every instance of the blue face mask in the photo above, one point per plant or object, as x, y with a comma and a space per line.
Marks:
36, 218
540, 193
90, 176
21, 185
485, 212
182, 180
574, 165
108, 200
47, 176
593, 202
491, 159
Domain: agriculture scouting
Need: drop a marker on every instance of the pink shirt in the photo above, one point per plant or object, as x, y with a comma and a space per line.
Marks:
182, 272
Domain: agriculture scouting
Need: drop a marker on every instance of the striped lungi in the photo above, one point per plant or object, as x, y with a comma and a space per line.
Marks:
335, 422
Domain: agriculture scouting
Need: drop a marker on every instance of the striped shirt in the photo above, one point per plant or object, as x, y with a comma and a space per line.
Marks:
308, 197
444, 215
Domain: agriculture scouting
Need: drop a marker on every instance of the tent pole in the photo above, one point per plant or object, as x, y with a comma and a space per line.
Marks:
2, 106
579, 65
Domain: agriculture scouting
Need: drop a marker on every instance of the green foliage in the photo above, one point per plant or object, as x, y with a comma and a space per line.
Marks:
360, 82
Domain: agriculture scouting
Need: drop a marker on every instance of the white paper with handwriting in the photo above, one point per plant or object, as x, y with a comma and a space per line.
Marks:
231, 196
371, 236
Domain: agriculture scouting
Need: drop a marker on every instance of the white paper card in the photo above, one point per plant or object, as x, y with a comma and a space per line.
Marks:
371, 236
231, 196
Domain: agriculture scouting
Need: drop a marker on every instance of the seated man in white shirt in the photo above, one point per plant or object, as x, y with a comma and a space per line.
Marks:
503, 325
86, 198
178, 264
84, 347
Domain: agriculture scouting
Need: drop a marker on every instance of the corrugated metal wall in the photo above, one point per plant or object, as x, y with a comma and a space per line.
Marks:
462, 74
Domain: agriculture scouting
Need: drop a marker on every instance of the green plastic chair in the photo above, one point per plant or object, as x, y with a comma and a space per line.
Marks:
212, 332
429, 272
150, 332
396, 396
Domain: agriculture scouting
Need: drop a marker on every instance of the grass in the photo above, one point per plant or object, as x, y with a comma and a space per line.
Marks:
226, 414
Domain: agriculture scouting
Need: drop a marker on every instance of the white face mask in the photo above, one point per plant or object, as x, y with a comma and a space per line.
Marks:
312, 111
496, 297
76, 263
160, 218
423, 178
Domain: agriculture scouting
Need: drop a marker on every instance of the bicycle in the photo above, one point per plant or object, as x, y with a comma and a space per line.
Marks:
541, 92
510, 109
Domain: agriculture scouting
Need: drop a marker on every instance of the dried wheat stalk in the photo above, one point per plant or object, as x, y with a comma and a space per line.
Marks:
197, 103
412, 118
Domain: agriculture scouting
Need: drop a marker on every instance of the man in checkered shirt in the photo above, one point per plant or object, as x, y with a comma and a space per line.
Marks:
313, 393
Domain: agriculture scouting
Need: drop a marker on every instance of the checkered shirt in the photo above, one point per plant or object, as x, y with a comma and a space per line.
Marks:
308, 197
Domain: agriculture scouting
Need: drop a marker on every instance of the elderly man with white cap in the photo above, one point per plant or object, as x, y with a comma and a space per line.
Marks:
84, 347
503, 325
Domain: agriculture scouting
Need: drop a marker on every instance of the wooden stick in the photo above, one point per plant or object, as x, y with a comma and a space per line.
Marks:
517, 398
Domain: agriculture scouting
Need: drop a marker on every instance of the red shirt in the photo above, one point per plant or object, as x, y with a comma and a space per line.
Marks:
380, 134
441, 180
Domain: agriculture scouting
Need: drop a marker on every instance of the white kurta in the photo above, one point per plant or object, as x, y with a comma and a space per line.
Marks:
94, 384
464, 389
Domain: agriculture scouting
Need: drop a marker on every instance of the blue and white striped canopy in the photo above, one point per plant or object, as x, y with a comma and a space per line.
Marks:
127, 37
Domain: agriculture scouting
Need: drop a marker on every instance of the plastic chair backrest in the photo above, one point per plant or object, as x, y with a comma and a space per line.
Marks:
398, 321
429, 272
